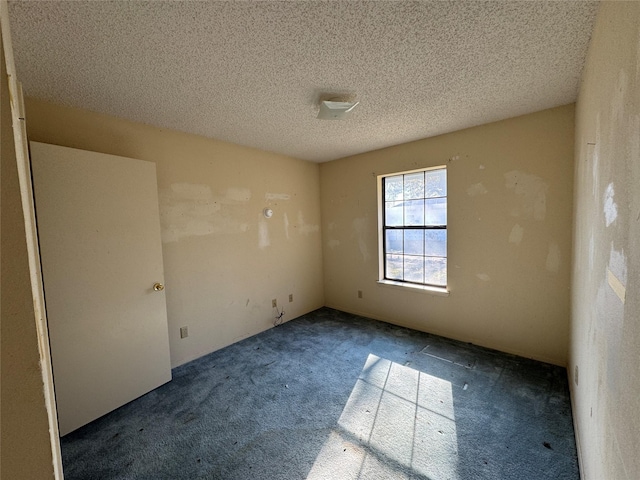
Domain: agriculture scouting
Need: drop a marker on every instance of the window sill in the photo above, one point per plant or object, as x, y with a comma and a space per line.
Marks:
439, 291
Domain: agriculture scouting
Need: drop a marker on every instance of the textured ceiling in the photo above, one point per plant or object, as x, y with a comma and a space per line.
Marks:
251, 73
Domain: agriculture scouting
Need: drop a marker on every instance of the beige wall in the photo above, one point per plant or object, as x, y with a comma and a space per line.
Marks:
224, 262
605, 326
509, 224
26, 452
508, 263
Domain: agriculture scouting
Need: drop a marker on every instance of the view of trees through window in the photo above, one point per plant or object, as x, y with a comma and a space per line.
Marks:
415, 227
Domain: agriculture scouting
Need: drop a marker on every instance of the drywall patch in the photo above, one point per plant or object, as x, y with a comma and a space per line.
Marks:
553, 258
617, 272
617, 103
634, 133
238, 194
188, 210
516, 234
305, 228
483, 276
276, 196
263, 234
616, 285
610, 207
589, 156
333, 243
608, 334
532, 192
359, 231
592, 251
476, 189
286, 226
638, 59
595, 158
189, 191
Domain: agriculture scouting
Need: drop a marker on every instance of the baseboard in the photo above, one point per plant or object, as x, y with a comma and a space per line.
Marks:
499, 348
576, 432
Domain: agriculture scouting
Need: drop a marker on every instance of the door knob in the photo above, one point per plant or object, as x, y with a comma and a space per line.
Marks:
158, 287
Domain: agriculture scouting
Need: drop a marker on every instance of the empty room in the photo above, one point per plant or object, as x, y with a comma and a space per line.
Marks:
320, 240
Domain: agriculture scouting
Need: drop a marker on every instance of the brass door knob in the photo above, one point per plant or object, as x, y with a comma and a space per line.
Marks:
158, 287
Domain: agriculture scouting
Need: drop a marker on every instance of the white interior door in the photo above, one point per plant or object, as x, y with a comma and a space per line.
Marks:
99, 232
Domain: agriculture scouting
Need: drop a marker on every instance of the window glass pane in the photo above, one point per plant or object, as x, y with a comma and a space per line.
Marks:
414, 202
394, 241
414, 212
436, 211
393, 188
413, 242
414, 186
436, 183
394, 267
393, 213
435, 243
413, 269
435, 271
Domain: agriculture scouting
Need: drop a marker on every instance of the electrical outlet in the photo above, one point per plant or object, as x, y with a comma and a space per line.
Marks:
184, 332
290, 297
274, 303
359, 293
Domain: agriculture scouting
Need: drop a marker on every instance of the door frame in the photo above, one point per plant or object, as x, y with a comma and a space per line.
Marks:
28, 210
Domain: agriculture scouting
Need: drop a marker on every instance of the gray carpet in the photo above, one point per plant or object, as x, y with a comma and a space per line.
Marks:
336, 396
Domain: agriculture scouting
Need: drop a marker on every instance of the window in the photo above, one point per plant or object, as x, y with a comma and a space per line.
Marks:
414, 227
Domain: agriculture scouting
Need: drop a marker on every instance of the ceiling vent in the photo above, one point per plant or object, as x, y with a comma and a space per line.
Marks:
335, 110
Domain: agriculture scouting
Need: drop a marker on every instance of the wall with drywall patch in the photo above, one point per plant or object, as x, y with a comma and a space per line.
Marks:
509, 224
605, 320
224, 261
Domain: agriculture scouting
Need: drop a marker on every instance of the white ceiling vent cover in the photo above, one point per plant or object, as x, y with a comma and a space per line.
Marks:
330, 110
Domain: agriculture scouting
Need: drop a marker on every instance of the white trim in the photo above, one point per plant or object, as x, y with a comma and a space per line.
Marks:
439, 291
379, 207
576, 427
442, 291
26, 192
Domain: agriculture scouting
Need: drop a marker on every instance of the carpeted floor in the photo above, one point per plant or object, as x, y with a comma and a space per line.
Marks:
336, 396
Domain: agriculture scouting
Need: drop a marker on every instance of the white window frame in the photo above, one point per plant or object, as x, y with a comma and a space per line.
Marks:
405, 285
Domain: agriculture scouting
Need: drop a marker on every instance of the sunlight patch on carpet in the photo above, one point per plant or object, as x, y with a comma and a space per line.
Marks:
397, 422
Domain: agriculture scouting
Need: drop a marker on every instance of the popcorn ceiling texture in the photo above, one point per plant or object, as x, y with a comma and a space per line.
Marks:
251, 73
